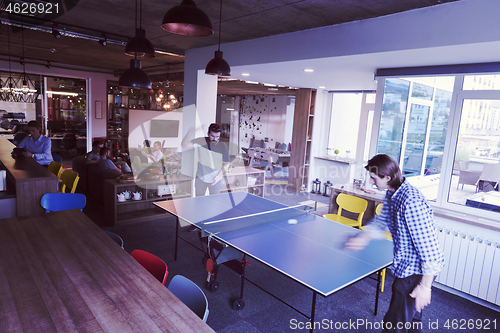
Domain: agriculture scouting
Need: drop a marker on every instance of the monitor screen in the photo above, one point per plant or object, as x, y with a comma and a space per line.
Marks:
164, 128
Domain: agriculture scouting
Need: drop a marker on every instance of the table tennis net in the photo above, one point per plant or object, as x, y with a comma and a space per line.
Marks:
251, 220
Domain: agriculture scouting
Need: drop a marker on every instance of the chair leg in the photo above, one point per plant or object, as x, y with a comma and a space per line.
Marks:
383, 281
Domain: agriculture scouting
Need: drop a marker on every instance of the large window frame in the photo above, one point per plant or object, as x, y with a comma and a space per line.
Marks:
444, 187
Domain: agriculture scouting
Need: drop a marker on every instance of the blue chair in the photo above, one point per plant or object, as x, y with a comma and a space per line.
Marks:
57, 158
117, 239
54, 202
190, 294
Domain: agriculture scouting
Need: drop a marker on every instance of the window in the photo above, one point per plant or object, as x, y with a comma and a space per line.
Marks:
445, 132
351, 123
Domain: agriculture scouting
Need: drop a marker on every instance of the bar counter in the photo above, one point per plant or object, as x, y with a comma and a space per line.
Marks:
27, 179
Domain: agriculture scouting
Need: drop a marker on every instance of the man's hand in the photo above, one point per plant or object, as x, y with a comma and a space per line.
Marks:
216, 179
357, 243
26, 154
422, 296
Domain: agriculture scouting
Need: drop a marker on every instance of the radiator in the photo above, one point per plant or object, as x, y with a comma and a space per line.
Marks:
472, 265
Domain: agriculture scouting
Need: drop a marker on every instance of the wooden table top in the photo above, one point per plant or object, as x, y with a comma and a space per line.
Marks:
60, 273
22, 168
369, 194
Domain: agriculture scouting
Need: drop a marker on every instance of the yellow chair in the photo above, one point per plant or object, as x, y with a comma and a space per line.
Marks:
56, 169
69, 180
351, 204
388, 236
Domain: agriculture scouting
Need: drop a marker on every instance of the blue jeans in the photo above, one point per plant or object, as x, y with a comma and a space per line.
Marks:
201, 187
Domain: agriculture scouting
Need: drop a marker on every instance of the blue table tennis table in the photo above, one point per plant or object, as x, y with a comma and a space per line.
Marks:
307, 248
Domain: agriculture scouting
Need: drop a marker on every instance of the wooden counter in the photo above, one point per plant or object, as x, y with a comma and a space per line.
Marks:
60, 273
27, 179
374, 197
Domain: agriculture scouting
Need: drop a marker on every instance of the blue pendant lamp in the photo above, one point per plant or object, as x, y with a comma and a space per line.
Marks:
188, 20
218, 66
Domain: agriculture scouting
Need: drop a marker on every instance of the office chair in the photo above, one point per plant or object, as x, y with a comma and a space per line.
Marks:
190, 294
56, 169
69, 179
54, 202
154, 265
351, 204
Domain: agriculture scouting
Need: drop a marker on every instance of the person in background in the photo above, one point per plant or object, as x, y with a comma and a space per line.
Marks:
38, 146
213, 156
93, 155
105, 162
417, 256
156, 155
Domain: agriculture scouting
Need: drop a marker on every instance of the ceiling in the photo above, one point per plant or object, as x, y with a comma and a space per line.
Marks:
241, 20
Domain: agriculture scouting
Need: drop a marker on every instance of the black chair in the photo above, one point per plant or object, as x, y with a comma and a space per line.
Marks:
19, 137
68, 142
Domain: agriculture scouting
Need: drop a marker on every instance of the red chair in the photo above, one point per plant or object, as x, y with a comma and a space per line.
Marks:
157, 267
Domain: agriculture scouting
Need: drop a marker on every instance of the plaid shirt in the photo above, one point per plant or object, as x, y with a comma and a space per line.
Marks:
409, 218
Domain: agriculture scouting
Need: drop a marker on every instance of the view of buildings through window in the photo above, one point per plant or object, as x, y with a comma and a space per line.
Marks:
413, 130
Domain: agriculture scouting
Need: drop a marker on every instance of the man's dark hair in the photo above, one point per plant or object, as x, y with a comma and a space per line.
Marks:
96, 143
214, 128
383, 165
35, 124
103, 151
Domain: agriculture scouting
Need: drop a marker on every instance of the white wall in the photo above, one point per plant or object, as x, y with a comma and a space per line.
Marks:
263, 116
139, 127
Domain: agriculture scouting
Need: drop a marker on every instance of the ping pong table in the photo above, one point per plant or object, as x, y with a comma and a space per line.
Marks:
305, 247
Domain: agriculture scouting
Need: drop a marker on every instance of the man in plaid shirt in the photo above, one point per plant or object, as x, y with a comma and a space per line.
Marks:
417, 257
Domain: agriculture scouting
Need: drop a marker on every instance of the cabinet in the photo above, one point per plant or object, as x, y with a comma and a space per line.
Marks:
140, 210
120, 100
244, 179
302, 134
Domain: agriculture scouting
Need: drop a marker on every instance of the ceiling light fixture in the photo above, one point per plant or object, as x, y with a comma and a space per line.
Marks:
188, 20
218, 66
139, 46
103, 41
55, 32
245, 74
308, 70
25, 89
8, 87
135, 77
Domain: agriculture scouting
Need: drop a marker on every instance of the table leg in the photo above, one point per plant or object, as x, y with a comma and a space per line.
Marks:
313, 310
379, 273
176, 238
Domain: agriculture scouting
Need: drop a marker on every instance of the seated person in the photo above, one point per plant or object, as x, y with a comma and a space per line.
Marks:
37, 145
156, 155
105, 162
93, 155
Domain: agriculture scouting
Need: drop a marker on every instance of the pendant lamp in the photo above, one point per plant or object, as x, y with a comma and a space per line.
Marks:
135, 77
218, 66
139, 46
188, 20
8, 86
